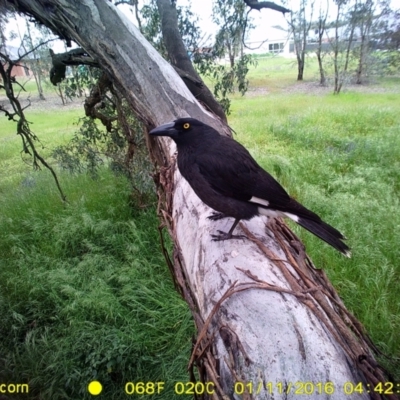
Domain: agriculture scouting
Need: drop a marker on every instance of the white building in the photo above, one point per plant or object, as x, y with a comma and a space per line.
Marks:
277, 42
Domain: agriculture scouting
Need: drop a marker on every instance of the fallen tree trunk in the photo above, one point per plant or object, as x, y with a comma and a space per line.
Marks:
269, 324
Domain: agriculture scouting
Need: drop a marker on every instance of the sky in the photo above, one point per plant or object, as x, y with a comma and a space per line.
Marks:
263, 20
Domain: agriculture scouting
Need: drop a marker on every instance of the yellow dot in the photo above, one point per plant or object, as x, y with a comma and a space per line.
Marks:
95, 388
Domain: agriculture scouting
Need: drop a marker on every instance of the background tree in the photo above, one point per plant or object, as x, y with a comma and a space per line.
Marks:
197, 57
235, 24
39, 55
4, 20
179, 58
320, 29
393, 34
344, 33
365, 16
299, 25
389, 39
231, 17
369, 15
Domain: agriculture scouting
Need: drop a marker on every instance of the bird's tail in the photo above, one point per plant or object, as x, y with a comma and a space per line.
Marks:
327, 233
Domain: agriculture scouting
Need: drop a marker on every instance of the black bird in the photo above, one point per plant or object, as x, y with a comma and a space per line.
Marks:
227, 178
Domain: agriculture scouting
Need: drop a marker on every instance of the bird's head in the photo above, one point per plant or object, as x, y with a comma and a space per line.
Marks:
182, 130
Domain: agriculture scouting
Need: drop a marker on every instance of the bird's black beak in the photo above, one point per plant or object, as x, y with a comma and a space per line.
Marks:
165, 130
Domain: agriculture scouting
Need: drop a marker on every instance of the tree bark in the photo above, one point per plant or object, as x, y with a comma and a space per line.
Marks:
263, 312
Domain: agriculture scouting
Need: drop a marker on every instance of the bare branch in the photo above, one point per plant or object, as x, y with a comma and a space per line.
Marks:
23, 129
9, 115
244, 33
34, 49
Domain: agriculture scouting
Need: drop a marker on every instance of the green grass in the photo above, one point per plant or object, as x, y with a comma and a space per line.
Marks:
275, 73
84, 290
278, 73
85, 293
53, 129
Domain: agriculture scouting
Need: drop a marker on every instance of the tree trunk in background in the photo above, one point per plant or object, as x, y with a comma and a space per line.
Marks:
322, 78
321, 30
264, 314
342, 48
34, 67
347, 60
365, 26
335, 46
361, 60
180, 59
300, 27
300, 67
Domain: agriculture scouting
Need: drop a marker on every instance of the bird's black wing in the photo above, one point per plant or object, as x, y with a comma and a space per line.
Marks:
231, 171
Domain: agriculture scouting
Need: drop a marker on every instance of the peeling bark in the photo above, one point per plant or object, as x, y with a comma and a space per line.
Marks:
264, 313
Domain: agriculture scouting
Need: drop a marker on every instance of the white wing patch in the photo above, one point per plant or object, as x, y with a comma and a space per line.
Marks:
259, 201
269, 213
293, 217
275, 214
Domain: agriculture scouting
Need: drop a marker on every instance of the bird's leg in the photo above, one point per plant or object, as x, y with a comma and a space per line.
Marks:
215, 216
227, 236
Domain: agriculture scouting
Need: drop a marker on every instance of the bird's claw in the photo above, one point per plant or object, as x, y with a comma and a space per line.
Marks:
226, 236
215, 216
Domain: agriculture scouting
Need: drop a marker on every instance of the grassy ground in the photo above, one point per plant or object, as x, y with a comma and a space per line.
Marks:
78, 298
84, 290
53, 129
85, 293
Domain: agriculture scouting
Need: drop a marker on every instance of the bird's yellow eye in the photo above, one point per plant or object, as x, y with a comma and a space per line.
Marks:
186, 125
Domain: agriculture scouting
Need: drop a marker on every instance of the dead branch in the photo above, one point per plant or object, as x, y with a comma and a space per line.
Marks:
23, 126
